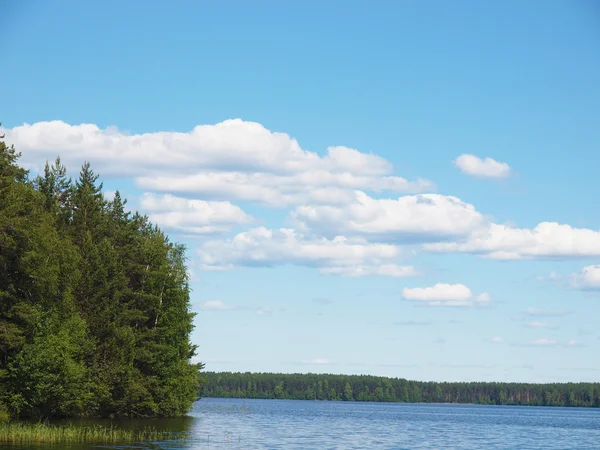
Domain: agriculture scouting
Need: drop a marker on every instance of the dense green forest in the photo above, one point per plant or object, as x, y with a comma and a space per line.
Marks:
367, 388
94, 302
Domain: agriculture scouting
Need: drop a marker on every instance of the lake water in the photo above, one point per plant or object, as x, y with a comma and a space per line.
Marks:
287, 424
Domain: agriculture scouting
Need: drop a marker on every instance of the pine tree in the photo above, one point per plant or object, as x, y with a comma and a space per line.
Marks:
57, 189
94, 302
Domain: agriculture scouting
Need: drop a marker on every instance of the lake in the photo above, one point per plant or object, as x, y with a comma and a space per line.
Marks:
295, 424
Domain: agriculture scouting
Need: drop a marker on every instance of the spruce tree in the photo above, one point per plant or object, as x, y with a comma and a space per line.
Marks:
94, 302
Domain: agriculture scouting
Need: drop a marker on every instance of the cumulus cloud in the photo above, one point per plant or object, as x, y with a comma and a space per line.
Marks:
483, 168
192, 216
588, 279
231, 160
266, 189
332, 194
497, 340
262, 247
442, 294
548, 240
386, 270
216, 305
273, 190
421, 217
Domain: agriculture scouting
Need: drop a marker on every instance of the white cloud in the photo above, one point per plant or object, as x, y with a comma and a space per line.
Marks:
484, 168
387, 270
413, 217
548, 240
332, 194
231, 160
216, 305
262, 247
588, 279
442, 294
274, 190
109, 195
263, 188
497, 340
264, 311
192, 216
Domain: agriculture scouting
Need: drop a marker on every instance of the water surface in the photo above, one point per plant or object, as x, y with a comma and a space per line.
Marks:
296, 424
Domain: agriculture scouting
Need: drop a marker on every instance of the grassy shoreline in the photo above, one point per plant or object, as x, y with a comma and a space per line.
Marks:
24, 432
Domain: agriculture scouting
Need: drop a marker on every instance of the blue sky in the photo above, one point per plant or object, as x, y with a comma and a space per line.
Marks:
326, 164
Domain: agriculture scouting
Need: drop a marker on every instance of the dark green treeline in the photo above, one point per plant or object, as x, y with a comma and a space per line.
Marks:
366, 388
94, 302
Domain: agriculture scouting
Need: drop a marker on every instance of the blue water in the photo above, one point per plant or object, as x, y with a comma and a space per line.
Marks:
287, 424
283, 424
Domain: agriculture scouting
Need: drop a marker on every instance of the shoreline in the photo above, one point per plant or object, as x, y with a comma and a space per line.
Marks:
403, 403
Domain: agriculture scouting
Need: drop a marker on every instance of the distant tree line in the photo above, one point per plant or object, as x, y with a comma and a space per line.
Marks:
366, 388
94, 302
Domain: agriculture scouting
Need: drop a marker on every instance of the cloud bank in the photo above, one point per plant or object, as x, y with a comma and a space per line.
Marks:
415, 218
231, 160
548, 240
353, 215
193, 216
262, 247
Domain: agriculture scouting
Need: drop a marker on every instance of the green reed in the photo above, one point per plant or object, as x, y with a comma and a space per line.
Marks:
47, 433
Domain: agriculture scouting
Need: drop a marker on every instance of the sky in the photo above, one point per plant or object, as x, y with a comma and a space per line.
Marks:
406, 189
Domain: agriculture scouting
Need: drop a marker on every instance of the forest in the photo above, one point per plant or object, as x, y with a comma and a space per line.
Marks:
94, 302
366, 388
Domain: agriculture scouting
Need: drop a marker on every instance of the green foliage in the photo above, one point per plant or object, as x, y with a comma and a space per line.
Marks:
49, 376
94, 302
4, 414
366, 388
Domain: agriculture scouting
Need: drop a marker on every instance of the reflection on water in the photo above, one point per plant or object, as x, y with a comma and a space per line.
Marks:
280, 424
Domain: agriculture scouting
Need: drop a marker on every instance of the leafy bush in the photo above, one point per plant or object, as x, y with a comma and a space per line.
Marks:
4, 416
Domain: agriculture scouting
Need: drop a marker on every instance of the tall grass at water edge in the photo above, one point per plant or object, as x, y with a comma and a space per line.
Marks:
22, 432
